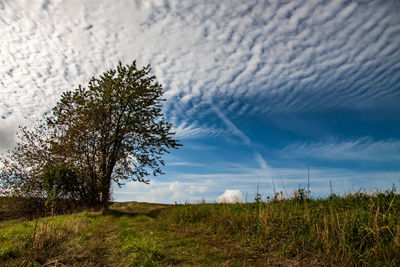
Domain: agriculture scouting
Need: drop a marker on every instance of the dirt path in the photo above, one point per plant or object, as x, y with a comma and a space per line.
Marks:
146, 240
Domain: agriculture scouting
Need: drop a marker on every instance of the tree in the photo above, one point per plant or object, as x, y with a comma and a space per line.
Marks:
113, 130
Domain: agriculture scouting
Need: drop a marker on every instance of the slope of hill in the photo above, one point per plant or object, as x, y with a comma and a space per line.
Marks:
354, 230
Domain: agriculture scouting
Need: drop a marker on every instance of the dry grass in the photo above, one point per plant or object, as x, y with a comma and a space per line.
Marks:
354, 230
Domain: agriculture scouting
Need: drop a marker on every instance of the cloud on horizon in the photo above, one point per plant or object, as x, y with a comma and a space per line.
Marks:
194, 187
230, 196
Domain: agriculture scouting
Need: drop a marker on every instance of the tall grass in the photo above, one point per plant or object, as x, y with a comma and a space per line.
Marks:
78, 239
352, 230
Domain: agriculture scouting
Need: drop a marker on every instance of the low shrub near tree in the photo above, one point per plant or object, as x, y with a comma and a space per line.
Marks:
30, 208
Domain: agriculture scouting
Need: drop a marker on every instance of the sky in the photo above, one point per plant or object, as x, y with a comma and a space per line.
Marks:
263, 94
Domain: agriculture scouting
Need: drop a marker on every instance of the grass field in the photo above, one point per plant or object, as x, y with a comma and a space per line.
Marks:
354, 230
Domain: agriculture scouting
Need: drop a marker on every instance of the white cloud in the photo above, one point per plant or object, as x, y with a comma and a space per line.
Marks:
263, 165
295, 56
358, 149
185, 163
232, 127
230, 196
244, 57
186, 130
192, 187
163, 191
8, 128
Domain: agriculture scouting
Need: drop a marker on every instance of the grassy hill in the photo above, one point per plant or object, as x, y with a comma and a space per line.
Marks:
355, 230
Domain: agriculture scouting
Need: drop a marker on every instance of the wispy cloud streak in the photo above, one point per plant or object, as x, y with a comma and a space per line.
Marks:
365, 149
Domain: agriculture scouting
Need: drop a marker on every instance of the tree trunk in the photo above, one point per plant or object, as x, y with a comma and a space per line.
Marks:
105, 191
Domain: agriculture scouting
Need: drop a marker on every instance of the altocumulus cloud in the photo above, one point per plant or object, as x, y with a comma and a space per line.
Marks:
8, 127
219, 61
235, 55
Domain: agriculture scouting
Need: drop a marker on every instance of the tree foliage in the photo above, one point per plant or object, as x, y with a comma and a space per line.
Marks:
113, 130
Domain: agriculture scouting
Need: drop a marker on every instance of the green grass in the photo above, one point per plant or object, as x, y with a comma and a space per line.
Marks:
130, 234
355, 230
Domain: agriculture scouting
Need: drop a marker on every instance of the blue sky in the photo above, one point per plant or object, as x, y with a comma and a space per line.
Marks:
258, 90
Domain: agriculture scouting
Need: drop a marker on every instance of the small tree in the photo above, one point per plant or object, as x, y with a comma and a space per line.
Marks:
113, 130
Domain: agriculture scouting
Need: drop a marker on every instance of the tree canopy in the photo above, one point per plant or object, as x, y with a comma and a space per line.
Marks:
112, 130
